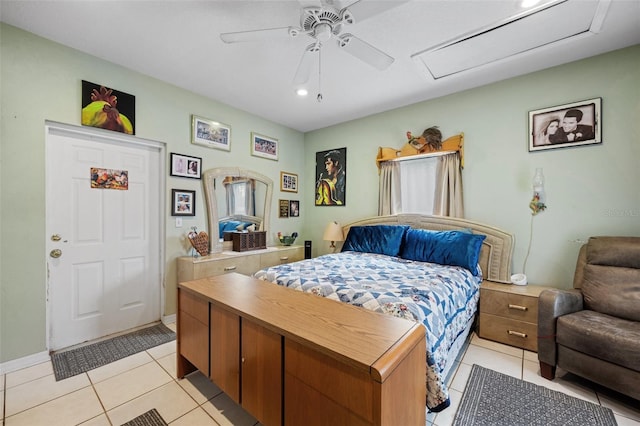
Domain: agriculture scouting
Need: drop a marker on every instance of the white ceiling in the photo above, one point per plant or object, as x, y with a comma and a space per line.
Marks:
178, 42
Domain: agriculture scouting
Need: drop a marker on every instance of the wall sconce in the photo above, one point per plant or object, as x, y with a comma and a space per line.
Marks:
539, 199
537, 205
333, 233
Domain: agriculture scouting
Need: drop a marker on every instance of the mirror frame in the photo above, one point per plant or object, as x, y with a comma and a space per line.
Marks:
208, 181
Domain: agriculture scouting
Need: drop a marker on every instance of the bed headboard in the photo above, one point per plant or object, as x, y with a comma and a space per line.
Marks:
496, 251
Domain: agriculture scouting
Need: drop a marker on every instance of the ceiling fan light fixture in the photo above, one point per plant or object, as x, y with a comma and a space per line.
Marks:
302, 91
322, 32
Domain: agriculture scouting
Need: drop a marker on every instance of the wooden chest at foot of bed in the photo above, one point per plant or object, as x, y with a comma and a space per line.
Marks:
296, 358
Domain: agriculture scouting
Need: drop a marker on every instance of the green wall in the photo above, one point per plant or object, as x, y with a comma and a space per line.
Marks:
41, 80
591, 190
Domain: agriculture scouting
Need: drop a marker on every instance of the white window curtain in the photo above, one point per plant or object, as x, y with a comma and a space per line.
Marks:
427, 185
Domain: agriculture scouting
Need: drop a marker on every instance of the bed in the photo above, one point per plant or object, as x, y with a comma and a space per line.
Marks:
426, 269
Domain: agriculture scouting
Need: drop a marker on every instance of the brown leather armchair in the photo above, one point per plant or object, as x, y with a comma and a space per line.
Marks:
594, 330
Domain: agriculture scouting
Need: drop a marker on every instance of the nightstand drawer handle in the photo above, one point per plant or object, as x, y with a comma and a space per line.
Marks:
230, 268
283, 258
518, 307
516, 333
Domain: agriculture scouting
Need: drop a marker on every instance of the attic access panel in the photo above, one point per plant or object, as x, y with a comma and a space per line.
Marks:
549, 23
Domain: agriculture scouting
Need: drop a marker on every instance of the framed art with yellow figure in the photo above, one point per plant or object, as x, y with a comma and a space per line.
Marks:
331, 175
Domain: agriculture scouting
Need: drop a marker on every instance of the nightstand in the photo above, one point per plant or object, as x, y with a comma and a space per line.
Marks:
509, 314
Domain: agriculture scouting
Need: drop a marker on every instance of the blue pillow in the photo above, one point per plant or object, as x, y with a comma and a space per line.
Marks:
380, 239
456, 248
230, 226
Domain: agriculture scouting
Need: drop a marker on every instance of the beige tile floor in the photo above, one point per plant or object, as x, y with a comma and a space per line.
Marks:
120, 391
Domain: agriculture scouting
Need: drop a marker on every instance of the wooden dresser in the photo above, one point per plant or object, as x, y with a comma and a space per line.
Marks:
295, 358
246, 262
509, 314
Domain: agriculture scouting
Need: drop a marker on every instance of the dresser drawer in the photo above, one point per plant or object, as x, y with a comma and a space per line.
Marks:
281, 257
509, 331
245, 265
515, 306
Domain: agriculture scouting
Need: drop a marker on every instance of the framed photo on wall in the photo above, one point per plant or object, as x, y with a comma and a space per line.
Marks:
183, 202
574, 124
210, 133
264, 146
284, 208
331, 177
186, 166
294, 208
288, 182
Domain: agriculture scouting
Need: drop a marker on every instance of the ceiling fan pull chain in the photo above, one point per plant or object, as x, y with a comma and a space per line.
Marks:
319, 97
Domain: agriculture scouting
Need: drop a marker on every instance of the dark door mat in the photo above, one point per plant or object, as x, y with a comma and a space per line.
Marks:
80, 360
150, 418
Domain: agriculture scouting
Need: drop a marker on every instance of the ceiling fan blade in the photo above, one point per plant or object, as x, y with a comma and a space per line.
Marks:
310, 3
364, 9
364, 51
307, 63
260, 35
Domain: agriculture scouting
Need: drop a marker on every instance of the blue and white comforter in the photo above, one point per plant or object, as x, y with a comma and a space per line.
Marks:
443, 298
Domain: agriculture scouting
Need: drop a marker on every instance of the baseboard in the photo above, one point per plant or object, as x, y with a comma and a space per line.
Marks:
38, 358
24, 362
169, 319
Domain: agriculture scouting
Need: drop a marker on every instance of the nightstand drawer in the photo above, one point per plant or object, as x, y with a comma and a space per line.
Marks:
515, 306
509, 331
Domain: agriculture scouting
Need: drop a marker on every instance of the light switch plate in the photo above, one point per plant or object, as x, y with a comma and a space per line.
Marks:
178, 222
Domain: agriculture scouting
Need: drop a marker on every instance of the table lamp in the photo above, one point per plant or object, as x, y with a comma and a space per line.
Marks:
333, 233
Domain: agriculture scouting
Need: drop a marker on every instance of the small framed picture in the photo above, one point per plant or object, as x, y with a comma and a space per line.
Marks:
186, 166
264, 146
288, 182
294, 208
183, 202
284, 208
568, 125
210, 133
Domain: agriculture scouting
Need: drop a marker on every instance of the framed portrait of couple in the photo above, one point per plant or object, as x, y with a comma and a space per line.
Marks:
569, 125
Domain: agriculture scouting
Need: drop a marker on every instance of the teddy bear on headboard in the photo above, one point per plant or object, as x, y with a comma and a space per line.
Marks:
429, 141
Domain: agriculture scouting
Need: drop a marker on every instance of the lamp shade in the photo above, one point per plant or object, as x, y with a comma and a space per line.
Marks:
333, 232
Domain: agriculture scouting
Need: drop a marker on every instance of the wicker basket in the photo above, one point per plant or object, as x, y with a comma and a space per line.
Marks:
244, 241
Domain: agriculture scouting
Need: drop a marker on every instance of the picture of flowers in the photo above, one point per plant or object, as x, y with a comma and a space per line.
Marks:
109, 178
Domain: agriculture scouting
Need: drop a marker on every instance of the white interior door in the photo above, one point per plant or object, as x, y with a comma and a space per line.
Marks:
107, 277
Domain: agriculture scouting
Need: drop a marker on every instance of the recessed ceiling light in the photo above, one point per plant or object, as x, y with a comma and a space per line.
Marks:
529, 3
302, 92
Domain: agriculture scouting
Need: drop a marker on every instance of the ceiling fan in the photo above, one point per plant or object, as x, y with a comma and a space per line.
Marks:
322, 21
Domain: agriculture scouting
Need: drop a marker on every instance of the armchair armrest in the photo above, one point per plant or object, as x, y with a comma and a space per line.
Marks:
554, 303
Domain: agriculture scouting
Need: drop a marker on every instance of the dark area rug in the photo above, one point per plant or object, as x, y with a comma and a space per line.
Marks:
150, 418
492, 398
79, 360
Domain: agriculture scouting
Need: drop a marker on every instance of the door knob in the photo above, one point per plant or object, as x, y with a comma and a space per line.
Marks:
55, 253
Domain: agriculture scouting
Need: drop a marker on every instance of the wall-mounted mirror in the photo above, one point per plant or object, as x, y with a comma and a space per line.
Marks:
235, 197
